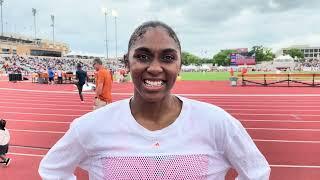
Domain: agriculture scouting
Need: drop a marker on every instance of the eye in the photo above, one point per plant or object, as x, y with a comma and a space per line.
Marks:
168, 58
143, 57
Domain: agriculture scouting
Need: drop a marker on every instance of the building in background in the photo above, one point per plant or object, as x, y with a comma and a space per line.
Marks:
310, 52
13, 44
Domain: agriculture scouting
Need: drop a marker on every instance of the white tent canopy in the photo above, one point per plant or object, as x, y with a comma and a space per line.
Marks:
284, 62
285, 57
81, 54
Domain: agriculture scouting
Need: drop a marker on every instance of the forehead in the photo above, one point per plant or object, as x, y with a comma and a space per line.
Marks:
155, 39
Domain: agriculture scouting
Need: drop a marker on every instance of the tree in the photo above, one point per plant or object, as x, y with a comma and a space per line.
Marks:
295, 53
261, 53
206, 61
223, 57
188, 58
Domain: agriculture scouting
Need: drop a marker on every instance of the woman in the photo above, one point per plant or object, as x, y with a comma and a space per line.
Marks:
155, 134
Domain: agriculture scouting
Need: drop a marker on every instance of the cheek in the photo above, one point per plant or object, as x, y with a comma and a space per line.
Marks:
136, 69
174, 70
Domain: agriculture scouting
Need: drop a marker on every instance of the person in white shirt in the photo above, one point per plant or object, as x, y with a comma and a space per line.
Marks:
4, 143
59, 73
155, 135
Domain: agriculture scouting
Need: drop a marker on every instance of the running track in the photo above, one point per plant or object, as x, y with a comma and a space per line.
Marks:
284, 122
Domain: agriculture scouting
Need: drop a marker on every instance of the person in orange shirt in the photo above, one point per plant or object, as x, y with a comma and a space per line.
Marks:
231, 72
244, 71
103, 85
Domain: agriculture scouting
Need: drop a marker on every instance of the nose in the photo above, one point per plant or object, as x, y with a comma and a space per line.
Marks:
155, 67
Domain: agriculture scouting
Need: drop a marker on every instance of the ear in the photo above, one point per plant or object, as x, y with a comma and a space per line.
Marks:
126, 62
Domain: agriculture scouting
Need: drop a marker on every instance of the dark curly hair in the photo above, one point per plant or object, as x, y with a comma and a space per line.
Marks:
3, 124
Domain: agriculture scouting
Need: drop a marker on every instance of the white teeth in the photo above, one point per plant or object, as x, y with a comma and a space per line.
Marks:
153, 83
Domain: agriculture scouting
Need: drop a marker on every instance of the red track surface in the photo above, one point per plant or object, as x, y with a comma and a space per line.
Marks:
284, 122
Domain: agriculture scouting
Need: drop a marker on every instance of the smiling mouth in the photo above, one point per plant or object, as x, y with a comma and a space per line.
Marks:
153, 83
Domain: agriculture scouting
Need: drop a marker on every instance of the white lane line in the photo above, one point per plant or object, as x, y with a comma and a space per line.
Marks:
294, 166
285, 141
274, 109
251, 95
279, 121
66, 101
37, 121
312, 115
69, 115
271, 105
42, 91
258, 103
282, 129
48, 104
43, 100
48, 108
28, 147
34, 131
31, 155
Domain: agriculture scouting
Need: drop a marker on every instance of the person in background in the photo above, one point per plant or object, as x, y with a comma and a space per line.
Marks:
59, 73
82, 78
231, 72
51, 76
4, 143
103, 85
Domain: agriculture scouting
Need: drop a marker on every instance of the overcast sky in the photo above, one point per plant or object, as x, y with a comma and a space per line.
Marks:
203, 26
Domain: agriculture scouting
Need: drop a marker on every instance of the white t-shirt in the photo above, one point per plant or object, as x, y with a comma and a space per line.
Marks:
4, 137
59, 72
202, 144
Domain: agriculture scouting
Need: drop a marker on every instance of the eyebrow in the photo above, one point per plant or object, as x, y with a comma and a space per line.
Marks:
168, 50
143, 49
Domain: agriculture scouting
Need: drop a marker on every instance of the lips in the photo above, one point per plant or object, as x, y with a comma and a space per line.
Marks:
153, 84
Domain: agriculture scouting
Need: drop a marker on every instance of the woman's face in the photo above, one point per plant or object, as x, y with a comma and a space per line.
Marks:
154, 63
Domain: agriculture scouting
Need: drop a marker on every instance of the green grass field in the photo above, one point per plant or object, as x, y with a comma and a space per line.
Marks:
207, 76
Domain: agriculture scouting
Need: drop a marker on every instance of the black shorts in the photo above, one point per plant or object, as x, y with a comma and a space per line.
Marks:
80, 87
50, 79
4, 149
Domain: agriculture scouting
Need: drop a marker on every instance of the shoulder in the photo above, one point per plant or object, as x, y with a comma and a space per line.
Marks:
209, 119
209, 114
103, 118
200, 106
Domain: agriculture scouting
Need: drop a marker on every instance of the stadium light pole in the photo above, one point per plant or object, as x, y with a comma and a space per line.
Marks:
105, 12
1, 2
34, 12
52, 25
115, 15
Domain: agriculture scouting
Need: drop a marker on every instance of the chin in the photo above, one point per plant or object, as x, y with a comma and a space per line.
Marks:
153, 98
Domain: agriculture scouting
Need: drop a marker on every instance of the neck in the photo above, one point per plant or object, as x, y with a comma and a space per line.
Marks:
154, 111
